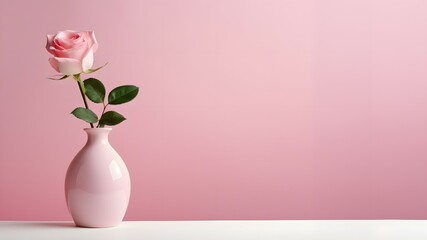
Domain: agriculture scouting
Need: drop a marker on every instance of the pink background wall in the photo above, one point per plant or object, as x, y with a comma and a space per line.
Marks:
266, 109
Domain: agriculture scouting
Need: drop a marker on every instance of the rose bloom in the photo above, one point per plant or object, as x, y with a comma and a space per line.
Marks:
72, 51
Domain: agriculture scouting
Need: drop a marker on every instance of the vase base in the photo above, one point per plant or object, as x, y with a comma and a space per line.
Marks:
96, 226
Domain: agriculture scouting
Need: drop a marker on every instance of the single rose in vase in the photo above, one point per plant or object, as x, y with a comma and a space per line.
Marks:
72, 51
97, 184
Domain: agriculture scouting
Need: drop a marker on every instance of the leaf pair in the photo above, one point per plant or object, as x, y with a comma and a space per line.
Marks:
110, 118
95, 91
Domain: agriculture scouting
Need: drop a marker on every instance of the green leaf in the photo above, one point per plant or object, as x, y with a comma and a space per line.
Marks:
85, 115
95, 90
96, 69
111, 118
122, 94
61, 78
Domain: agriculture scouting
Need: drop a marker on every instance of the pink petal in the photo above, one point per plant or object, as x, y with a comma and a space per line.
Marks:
75, 53
87, 61
68, 39
49, 43
92, 40
54, 63
66, 66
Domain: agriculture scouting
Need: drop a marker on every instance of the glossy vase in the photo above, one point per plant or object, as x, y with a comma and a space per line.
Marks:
97, 184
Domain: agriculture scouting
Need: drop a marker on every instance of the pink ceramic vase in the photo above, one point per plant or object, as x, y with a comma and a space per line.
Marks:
97, 185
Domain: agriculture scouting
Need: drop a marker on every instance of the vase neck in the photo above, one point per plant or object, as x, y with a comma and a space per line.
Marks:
97, 135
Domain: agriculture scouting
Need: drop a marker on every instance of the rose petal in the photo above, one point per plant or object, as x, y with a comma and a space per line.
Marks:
54, 63
68, 39
49, 43
66, 66
92, 40
57, 44
87, 61
67, 34
75, 53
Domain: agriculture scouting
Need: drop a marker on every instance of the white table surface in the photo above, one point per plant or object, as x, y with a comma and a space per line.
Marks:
222, 230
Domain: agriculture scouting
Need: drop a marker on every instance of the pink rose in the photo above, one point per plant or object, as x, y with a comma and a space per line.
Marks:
72, 51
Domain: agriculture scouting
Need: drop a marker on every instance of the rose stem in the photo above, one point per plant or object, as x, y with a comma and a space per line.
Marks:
103, 111
79, 82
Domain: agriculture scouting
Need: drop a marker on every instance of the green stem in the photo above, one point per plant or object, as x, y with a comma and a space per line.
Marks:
103, 111
81, 87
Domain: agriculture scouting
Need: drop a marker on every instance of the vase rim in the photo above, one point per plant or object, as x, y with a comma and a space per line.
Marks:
98, 129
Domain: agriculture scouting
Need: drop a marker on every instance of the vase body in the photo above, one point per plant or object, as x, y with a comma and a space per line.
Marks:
97, 184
